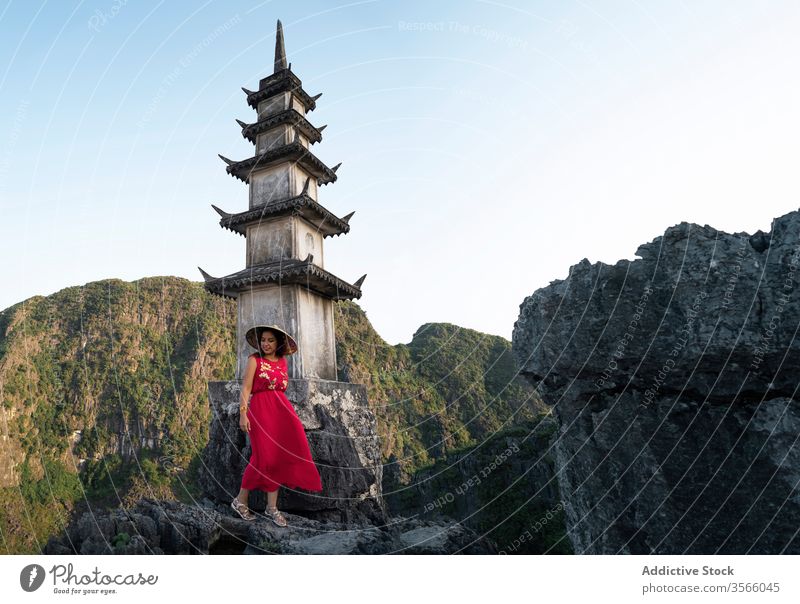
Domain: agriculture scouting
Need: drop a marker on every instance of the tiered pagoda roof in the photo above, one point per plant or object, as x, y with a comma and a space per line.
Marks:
303, 205
294, 152
291, 117
282, 81
286, 271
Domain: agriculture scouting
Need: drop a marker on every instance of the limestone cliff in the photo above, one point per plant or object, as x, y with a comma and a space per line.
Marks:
107, 380
674, 381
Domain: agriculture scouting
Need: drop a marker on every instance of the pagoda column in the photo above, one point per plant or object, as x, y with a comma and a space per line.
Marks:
285, 282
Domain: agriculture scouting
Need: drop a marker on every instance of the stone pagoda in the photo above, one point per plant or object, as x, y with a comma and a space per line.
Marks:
285, 282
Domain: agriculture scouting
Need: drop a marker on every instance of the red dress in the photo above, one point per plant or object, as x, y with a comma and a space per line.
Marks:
280, 451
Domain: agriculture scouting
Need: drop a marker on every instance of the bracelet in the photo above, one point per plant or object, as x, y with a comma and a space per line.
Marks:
242, 408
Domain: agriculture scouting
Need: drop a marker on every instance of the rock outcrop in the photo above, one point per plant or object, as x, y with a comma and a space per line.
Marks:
674, 380
169, 527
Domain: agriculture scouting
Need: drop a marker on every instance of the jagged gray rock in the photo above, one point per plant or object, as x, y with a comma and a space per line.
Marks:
674, 380
170, 527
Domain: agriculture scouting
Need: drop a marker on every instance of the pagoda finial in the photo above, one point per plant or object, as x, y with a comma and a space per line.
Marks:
280, 49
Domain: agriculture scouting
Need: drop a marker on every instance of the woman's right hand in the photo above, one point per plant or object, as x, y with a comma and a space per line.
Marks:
244, 421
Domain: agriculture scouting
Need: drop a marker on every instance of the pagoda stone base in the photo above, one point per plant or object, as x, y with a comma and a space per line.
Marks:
341, 431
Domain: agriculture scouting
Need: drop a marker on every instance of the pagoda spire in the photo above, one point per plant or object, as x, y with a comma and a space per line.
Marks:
280, 49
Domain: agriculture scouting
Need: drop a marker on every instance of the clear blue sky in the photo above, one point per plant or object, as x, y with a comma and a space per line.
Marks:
486, 146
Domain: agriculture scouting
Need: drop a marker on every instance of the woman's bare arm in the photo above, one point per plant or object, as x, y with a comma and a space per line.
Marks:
247, 383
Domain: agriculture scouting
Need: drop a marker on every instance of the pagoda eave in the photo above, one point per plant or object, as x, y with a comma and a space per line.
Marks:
324, 221
285, 272
291, 117
294, 151
281, 81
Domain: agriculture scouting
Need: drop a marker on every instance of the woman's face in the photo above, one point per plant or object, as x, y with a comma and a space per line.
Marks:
269, 344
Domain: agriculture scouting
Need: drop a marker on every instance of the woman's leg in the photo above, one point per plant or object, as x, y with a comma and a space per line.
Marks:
243, 495
272, 509
272, 498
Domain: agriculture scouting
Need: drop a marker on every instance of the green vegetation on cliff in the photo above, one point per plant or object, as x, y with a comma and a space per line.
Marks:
448, 388
107, 377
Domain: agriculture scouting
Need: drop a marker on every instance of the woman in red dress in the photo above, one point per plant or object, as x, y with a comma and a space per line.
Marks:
280, 451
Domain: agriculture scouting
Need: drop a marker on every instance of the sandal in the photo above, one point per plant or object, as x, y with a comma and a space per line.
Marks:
242, 510
276, 517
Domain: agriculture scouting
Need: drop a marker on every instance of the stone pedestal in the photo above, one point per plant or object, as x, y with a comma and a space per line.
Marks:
342, 434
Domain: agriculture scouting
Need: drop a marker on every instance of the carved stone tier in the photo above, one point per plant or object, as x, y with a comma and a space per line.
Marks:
285, 272
281, 173
323, 221
289, 118
292, 152
281, 89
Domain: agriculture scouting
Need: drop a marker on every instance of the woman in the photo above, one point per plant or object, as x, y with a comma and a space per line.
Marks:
280, 451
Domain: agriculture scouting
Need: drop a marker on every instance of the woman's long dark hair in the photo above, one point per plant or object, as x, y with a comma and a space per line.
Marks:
280, 349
